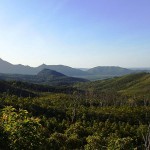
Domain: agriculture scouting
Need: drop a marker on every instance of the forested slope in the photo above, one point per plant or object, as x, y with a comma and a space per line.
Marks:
134, 84
95, 115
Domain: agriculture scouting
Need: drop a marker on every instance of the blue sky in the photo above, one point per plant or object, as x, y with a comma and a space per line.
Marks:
77, 33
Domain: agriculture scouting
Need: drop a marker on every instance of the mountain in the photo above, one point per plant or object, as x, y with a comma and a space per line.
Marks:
63, 69
6, 67
96, 73
109, 70
46, 77
50, 73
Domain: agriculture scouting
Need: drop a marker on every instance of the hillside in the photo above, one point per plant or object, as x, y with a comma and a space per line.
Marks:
92, 115
129, 85
25, 89
11, 88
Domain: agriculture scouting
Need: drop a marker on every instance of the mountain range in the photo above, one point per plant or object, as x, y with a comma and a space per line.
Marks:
46, 77
92, 73
6, 67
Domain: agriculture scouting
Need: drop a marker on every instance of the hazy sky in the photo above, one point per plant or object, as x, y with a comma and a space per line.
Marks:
77, 33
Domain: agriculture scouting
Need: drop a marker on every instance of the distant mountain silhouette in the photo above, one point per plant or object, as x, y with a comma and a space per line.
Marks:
66, 70
46, 76
6, 67
93, 73
50, 73
110, 70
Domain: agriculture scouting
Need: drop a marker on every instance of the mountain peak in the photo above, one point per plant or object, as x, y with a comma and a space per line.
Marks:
43, 65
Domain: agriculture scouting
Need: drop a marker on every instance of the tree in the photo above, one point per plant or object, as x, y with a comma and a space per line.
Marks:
95, 142
117, 143
145, 131
23, 132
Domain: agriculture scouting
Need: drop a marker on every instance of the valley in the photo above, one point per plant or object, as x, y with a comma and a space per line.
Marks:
104, 114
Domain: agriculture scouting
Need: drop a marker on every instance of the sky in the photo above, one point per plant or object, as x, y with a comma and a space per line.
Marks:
76, 33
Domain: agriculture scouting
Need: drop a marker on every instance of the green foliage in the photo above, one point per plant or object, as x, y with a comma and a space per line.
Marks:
95, 142
23, 132
130, 89
116, 143
56, 141
97, 115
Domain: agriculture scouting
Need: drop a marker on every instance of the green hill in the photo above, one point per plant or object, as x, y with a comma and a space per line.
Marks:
129, 85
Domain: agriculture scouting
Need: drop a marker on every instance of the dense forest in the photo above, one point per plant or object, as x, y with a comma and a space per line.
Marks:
111, 114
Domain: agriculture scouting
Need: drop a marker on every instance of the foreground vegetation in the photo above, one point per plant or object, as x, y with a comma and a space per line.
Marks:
103, 115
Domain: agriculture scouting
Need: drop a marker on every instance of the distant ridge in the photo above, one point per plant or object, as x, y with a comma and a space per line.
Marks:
6, 67
46, 77
95, 73
109, 70
66, 70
